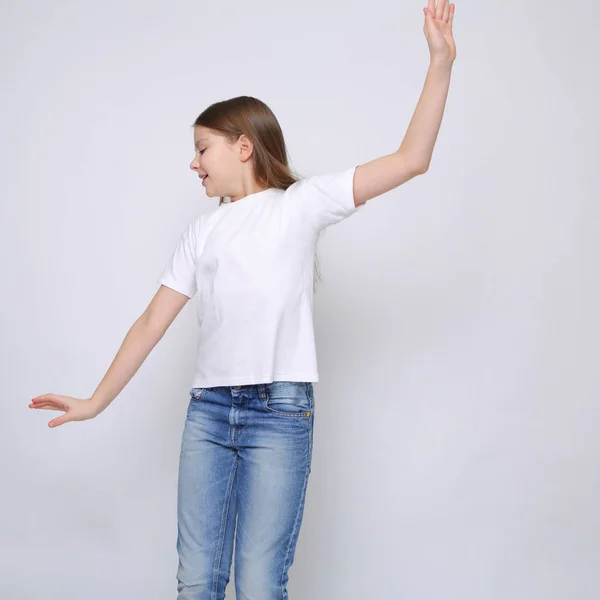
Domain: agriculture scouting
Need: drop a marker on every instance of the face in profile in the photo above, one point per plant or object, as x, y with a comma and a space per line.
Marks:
216, 161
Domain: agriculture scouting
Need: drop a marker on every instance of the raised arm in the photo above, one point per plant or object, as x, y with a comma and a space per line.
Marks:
413, 157
141, 338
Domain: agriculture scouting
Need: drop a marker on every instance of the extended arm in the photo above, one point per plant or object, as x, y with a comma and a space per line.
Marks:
141, 338
413, 157
143, 335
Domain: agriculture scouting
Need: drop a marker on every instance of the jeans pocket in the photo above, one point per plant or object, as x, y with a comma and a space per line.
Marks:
196, 393
290, 398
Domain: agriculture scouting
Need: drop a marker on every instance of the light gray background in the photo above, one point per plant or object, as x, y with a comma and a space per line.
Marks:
456, 448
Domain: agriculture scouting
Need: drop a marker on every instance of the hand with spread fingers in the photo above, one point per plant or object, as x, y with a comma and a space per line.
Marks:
76, 409
438, 30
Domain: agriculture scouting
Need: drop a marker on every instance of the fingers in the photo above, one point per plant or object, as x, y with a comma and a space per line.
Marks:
49, 401
446, 12
59, 421
49, 404
53, 402
439, 9
45, 398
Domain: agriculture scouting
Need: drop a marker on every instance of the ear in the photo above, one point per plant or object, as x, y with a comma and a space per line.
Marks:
245, 147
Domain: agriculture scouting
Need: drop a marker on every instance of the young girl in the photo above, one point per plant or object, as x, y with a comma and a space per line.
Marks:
247, 440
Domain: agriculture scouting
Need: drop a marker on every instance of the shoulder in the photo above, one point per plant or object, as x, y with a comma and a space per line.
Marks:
195, 227
328, 182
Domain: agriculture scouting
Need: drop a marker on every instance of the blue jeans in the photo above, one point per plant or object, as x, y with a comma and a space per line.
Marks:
246, 452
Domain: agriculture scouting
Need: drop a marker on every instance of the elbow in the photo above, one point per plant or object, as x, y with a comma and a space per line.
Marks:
422, 168
418, 165
152, 327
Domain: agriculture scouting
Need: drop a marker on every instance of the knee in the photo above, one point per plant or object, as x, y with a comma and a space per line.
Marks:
260, 584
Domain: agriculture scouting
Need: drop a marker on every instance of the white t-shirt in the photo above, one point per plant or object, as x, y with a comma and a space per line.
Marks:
250, 263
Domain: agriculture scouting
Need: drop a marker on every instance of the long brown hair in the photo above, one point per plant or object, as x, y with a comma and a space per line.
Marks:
252, 117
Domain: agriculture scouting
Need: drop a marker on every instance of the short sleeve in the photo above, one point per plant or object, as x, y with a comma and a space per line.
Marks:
327, 199
180, 272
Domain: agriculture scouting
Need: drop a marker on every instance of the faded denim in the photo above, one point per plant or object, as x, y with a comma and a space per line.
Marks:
245, 455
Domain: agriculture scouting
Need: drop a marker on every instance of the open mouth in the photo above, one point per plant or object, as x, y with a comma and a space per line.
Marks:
204, 178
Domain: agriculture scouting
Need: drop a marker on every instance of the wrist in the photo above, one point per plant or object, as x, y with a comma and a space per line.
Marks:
96, 405
441, 63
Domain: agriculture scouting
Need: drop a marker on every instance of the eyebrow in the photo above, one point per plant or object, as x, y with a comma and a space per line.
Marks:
201, 139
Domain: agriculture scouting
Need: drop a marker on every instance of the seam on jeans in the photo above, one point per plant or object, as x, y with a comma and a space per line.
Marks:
219, 556
295, 529
301, 414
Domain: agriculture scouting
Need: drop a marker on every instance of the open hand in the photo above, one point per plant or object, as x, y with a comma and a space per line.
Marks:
438, 29
76, 409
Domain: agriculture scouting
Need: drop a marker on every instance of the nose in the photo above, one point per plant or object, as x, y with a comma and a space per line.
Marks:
194, 164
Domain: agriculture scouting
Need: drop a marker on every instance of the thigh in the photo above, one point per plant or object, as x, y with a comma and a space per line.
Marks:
206, 498
275, 462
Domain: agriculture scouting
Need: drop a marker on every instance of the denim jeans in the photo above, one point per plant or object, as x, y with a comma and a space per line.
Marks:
245, 455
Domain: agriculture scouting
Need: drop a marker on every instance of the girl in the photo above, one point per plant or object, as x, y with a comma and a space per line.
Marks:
247, 440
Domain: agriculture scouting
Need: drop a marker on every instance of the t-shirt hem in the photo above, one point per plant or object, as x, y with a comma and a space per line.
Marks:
351, 207
171, 283
254, 380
